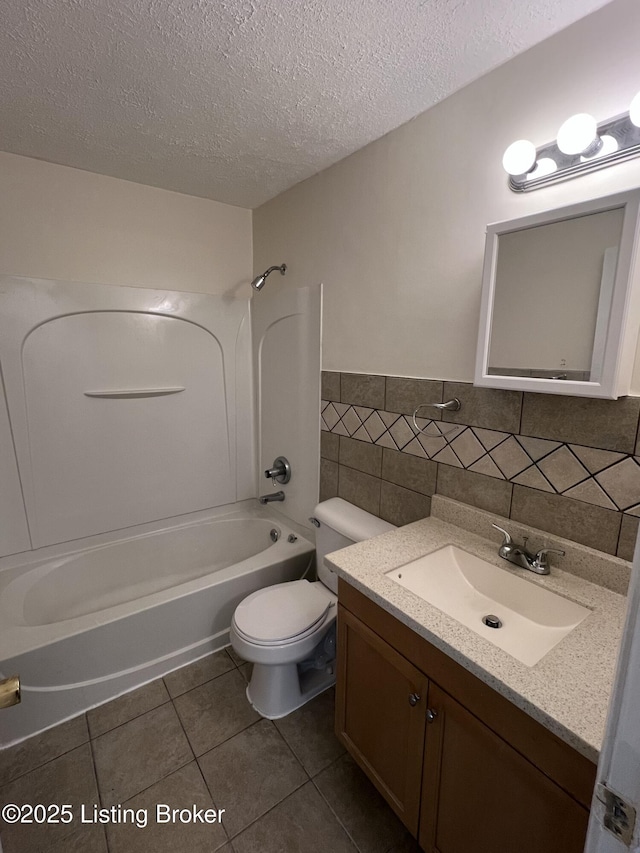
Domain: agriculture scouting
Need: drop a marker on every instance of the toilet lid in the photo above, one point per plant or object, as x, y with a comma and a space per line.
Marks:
282, 612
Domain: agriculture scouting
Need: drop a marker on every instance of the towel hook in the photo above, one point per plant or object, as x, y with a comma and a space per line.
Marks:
450, 406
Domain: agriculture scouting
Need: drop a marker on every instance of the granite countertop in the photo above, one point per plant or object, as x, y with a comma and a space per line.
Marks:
568, 690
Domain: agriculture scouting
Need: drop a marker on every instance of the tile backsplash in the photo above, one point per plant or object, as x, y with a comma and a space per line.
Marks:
567, 465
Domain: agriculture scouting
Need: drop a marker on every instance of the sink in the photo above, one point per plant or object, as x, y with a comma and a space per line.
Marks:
528, 620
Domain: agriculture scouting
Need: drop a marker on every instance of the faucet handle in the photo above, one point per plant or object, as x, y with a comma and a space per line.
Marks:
541, 556
505, 533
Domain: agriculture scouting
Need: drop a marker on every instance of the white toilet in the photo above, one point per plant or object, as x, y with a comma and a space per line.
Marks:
288, 631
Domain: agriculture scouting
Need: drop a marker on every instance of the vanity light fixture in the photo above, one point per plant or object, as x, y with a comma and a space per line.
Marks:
582, 146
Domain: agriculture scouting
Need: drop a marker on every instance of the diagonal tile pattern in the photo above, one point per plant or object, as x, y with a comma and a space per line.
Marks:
590, 492
562, 469
401, 432
510, 458
375, 426
604, 478
283, 786
467, 448
534, 478
621, 482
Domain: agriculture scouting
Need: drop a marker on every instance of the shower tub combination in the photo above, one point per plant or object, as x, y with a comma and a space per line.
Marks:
84, 626
133, 423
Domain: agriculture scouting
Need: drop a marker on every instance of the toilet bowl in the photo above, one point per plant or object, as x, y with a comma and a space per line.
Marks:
288, 630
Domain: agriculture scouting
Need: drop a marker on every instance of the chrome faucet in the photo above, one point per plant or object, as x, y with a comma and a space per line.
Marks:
276, 496
519, 556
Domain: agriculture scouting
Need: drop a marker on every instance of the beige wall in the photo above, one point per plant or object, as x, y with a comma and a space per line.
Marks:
396, 231
62, 223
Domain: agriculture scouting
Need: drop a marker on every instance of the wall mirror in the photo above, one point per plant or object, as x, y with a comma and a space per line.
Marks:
560, 312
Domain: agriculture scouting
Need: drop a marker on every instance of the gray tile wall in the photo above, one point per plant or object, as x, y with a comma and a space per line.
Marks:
568, 465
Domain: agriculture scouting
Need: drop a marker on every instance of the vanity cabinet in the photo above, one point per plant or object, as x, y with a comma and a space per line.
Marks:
383, 727
462, 767
480, 794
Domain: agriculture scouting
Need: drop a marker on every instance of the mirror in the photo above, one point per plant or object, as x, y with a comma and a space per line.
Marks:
559, 312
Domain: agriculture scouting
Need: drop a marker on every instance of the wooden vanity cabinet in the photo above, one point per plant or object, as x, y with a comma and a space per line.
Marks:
380, 715
463, 768
479, 794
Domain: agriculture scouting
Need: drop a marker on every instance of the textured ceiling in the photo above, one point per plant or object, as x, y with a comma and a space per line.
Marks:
237, 100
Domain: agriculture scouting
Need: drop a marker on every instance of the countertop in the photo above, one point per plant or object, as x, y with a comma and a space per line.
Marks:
568, 690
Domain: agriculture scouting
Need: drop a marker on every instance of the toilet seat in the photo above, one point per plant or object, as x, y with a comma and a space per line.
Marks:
282, 614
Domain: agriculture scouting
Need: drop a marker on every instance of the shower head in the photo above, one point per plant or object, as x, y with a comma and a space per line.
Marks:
258, 282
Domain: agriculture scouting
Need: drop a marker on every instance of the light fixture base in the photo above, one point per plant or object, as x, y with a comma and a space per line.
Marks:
620, 128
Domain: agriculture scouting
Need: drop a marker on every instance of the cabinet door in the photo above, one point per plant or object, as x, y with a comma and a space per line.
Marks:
380, 714
480, 795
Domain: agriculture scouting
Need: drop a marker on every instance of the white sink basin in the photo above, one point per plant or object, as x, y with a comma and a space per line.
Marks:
533, 619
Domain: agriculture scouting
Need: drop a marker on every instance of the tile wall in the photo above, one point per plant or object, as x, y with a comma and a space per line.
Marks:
567, 465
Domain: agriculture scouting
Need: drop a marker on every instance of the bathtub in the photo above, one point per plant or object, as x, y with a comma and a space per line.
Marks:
83, 626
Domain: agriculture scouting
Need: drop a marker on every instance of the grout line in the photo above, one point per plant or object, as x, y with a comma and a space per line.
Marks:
226, 740
184, 731
213, 800
105, 834
291, 750
637, 437
95, 773
49, 760
130, 720
270, 809
156, 782
202, 684
619, 536
329, 806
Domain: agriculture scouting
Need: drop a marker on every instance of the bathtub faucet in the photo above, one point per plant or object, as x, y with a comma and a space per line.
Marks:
276, 496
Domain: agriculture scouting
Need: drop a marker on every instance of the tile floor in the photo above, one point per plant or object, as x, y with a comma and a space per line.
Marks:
193, 739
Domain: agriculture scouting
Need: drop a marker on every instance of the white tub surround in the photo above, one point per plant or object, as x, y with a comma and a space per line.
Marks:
124, 405
568, 689
286, 365
82, 626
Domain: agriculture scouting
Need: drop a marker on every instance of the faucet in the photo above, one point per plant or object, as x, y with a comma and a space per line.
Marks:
276, 496
519, 556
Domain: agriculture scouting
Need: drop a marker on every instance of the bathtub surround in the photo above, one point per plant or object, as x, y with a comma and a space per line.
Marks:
566, 465
286, 369
101, 384
131, 421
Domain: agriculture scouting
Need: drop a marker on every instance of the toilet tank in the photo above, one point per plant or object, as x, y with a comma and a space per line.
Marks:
341, 524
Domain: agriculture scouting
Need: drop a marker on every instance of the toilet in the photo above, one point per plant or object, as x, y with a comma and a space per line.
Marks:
288, 631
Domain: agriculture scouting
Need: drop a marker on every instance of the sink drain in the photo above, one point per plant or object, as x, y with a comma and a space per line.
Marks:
492, 621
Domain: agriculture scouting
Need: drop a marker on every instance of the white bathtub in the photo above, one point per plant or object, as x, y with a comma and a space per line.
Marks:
83, 626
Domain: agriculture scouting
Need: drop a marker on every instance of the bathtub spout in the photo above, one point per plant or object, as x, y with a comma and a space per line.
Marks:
276, 496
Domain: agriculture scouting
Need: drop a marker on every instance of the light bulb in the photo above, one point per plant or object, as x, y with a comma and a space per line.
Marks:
577, 134
544, 166
609, 146
519, 157
634, 111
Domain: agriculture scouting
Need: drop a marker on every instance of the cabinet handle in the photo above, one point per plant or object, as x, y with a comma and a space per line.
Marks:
431, 715
413, 699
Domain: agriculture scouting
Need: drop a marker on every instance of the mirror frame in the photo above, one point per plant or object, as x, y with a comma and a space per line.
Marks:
624, 319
